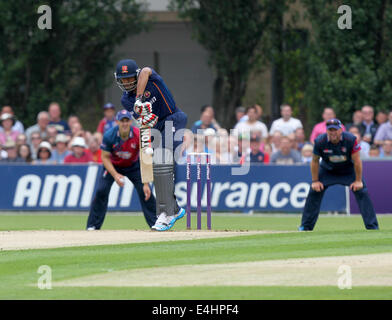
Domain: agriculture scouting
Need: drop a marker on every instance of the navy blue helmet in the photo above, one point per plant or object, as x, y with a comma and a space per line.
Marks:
127, 69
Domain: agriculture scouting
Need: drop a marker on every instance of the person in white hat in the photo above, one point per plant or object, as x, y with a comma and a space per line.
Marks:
79, 153
44, 153
60, 151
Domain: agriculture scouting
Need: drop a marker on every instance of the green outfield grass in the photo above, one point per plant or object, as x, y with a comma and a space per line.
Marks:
334, 236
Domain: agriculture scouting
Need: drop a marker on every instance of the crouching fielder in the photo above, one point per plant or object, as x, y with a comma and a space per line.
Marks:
341, 164
120, 157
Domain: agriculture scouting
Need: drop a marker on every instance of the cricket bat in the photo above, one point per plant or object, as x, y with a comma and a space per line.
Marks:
146, 155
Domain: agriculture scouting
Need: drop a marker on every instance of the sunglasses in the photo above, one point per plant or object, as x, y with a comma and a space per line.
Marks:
334, 122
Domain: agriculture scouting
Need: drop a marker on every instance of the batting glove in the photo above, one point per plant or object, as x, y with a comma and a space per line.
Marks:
146, 109
149, 120
138, 105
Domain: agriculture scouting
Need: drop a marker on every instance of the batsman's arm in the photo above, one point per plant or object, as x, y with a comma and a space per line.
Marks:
142, 80
107, 163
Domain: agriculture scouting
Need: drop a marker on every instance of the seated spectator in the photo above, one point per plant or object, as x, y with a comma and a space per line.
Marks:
21, 139
55, 119
18, 126
35, 141
291, 136
386, 150
72, 119
384, 131
381, 117
275, 140
210, 110
98, 136
285, 154
243, 146
79, 154
222, 153
321, 127
233, 149
95, 150
209, 137
365, 147
252, 124
40, 126
24, 152
374, 151
357, 119
52, 134
108, 121
60, 150
268, 149
78, 131
206, 121
307, 153
368, 127
12, 153
240, 113
44, 153
286, 124
245, 117
299, 138
254, 155
7, 122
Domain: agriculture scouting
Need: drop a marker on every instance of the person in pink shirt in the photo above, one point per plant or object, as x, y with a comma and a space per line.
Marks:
321, 127
7, 121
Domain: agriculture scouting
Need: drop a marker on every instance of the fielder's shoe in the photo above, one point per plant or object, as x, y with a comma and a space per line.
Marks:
302, 228
91, 229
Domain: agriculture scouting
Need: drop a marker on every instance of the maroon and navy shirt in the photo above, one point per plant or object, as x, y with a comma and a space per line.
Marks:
124, 153
158, 94
336, 157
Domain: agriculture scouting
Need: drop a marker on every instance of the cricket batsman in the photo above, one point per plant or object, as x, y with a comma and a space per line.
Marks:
147, 97
341, 164
120, 157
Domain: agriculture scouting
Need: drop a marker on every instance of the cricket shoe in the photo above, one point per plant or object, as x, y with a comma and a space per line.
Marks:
165, 222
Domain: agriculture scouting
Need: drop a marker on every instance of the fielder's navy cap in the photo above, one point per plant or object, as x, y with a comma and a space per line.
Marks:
123, 114
334, 123
109, 106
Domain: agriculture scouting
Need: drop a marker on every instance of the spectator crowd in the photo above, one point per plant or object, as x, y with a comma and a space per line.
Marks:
54, 140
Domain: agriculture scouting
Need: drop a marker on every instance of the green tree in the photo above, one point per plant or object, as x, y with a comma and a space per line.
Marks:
348, 68
68, 63
231, 32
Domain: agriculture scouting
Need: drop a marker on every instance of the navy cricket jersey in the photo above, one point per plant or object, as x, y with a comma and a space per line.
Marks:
336, 157
123, 153
157, 93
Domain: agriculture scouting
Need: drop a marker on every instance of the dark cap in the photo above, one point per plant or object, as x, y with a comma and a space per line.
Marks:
109, 106
334, 124
123, 114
